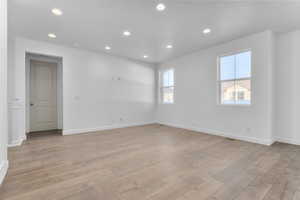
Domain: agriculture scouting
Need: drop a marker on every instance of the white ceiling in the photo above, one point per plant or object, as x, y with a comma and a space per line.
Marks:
95, 23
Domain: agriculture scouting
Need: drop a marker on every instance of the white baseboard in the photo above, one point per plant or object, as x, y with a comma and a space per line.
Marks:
3, 170
102, 128
220, 133
17, 142
197, 129
287, 140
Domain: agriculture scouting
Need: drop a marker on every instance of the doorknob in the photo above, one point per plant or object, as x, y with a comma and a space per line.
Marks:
31, 104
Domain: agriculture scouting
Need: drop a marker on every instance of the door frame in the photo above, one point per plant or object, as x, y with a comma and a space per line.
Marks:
44, 58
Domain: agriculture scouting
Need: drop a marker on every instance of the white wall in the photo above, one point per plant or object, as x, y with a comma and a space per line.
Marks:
274, 112
3, 89
287, 96
196, 106
99, 91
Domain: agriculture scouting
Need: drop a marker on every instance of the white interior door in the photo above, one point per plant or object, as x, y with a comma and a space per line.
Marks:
43, 96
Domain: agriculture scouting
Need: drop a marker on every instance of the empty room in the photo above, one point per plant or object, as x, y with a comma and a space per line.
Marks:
150, 100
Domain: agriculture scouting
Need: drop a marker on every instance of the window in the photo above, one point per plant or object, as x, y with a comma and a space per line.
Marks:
241, 95
167, 86
235, 79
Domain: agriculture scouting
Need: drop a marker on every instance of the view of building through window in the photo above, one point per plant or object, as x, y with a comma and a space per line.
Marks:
167, 86
235, 78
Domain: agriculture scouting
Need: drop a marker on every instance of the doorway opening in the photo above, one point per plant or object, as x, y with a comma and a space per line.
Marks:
44, 95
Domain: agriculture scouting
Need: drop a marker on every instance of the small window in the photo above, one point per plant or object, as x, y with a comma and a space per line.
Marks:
167, 86
235, 79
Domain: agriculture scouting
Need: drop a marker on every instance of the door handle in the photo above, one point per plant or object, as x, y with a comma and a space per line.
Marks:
31, 104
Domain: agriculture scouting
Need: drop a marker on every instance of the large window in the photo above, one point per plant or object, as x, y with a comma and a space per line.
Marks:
235, 79
167, 86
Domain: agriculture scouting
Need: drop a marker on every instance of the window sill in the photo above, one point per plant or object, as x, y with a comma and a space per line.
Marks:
235, 105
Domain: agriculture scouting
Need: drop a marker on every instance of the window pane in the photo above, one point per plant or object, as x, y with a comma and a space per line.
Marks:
243, 90
168, 95
168, 78
171, 78
228, 93
165, 79
227, 70
243, 65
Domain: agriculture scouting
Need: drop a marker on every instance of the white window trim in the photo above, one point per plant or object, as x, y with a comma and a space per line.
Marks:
160, 86
218, 82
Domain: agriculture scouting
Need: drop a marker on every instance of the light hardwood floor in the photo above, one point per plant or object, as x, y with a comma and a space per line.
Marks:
150, 162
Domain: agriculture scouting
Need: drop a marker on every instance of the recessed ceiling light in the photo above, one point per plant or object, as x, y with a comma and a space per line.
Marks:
160, 7
51, 35
126, 33
57, 11
169, 46
206, 31
145, 56
107, 48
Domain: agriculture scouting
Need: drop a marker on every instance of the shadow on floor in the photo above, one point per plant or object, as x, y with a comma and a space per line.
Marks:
39, 134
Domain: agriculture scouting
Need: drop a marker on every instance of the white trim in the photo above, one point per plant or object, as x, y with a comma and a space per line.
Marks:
102, 128
3, 170
16, 143
31, 56
161, 86
3, 90
287, 140
220, 133
219, 81
196, 129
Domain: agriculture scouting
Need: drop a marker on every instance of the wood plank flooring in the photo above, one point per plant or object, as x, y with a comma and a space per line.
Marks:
150, 162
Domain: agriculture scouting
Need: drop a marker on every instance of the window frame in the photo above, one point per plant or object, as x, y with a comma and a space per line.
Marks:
219, 81
161, 87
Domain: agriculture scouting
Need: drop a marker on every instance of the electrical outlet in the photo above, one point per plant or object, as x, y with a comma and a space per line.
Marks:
76, 98
248, 130
194, 124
